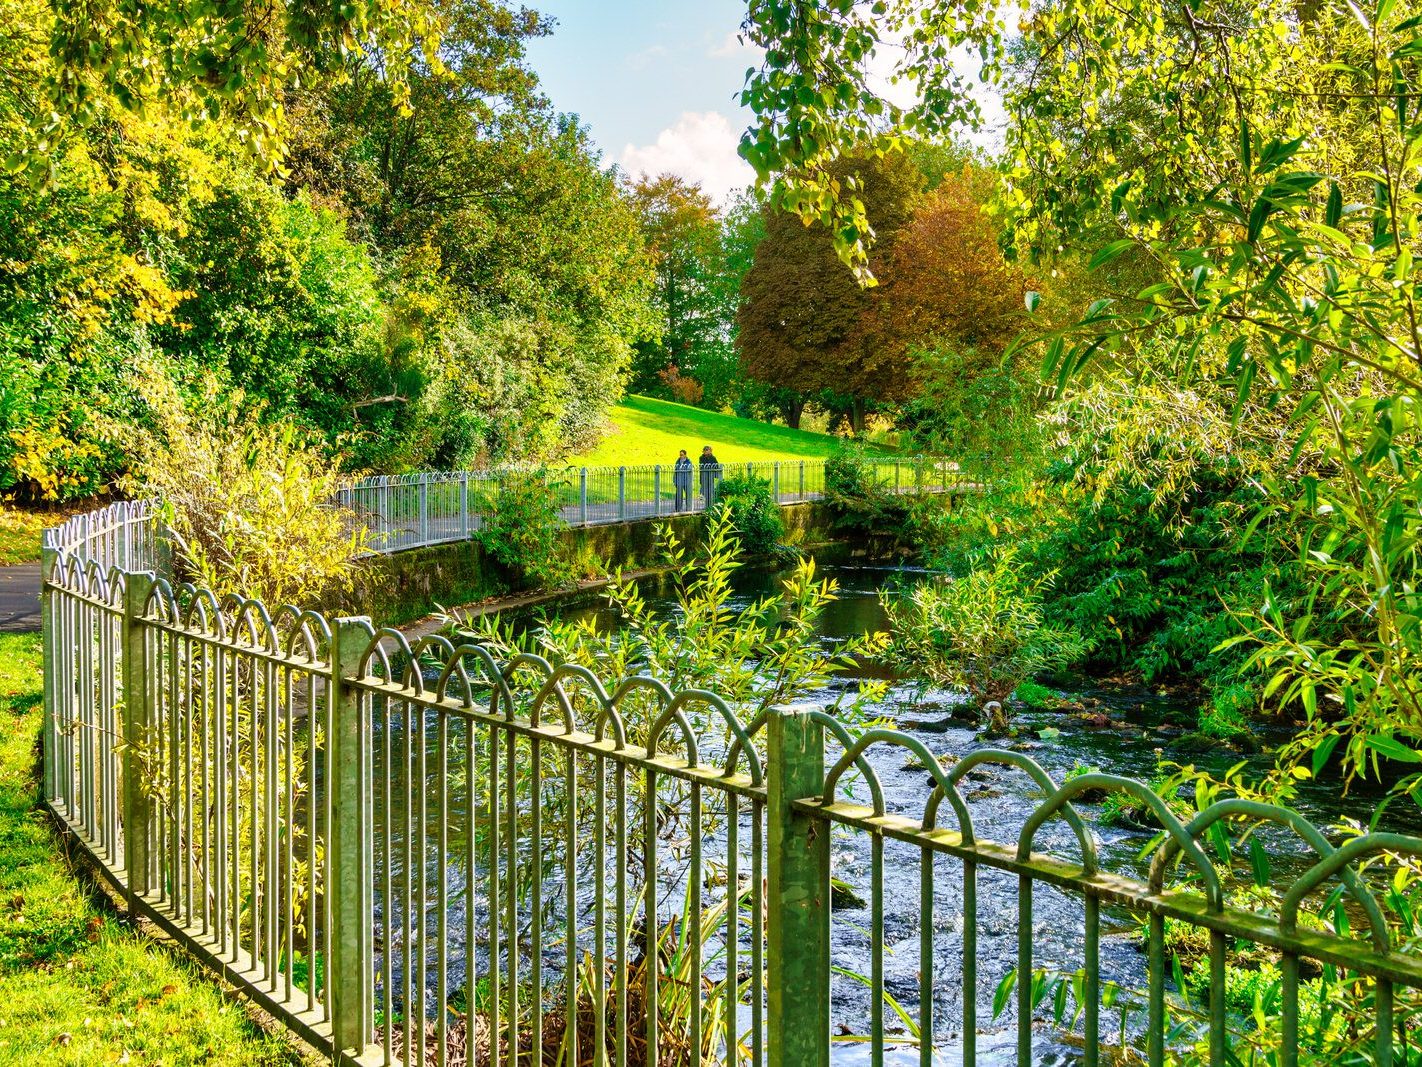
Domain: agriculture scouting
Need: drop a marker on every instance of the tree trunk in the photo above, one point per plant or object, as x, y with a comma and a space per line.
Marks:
792, 410
856, 416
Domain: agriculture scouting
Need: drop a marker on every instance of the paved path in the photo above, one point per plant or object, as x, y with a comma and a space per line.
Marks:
19, 598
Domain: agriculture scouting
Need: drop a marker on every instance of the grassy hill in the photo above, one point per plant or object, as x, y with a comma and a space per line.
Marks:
651, 431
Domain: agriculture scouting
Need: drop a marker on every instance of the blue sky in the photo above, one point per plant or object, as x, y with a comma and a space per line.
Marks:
656, 83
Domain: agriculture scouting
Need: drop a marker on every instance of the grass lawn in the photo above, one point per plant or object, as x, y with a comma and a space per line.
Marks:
77, 986
651, 431
20, 528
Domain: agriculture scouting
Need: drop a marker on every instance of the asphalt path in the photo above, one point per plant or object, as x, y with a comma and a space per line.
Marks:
19, 598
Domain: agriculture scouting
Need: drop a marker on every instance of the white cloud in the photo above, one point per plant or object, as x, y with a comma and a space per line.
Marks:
646, 57
700, 147
735, 46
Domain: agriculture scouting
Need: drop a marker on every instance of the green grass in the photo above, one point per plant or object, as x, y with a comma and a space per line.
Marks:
20, 535
651, 431
77, 986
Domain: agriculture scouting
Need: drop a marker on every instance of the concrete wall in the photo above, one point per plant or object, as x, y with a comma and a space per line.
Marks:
400, 586
395, 588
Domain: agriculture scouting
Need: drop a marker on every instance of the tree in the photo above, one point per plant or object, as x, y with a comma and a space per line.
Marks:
508, 205
1265, 162
683, 233
798, 323
234, 61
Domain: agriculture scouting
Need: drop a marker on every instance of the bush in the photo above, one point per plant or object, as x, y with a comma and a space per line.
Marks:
753, 512
984, 632
858, 503
248, 502
522, 530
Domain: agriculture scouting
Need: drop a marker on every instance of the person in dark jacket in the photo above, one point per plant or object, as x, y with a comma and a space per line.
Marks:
710, 475
681, 478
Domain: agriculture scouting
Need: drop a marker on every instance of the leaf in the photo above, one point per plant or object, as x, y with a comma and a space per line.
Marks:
1259, 861
1032, 299
1333, 213
1393, 749
1322, 752
1004, 990
1110, 252
1258, 215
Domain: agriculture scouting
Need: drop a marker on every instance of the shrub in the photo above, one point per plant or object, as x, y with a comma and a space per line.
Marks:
858, 503
1226, 716
522, 530
983, 632
248, 502
754, 514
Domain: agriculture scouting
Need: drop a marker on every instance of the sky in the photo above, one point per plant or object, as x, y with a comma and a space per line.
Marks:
655, 83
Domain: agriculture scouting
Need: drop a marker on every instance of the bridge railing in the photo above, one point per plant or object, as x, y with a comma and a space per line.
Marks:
429, 854
412, 510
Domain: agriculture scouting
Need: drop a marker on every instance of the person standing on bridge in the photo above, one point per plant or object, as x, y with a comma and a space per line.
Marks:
681, 478
710, 475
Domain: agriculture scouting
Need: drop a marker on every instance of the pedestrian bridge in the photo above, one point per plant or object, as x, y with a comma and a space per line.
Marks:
437, 507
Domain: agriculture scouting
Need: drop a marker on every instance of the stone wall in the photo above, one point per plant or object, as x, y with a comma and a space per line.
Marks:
400, 586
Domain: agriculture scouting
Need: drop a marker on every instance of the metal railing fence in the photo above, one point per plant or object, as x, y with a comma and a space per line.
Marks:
412, 510
427, 855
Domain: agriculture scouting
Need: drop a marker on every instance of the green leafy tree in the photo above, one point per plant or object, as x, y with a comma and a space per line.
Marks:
682, 229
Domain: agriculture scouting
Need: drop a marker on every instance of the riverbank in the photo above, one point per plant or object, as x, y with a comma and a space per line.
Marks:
79, 986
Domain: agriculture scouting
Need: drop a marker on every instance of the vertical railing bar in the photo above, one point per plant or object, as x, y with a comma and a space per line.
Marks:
1091, 980
1289, 1035
693, 917
925, 957
1024, 969
535, 835
619, 975
471, 897
757, 947
876, 948
649, 922
1155, 991
599, 956
511, 907
442, 942
570, 876
1218, 1033
733, 928
421, 852
495, 916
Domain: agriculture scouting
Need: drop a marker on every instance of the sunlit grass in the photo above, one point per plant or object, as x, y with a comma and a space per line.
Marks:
77, 986
651, 431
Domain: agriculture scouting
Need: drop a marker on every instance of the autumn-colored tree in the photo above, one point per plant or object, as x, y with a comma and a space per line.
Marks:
801, 308
946, 279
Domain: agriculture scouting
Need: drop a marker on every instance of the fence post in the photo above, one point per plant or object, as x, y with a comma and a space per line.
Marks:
621, 493
777, 481
49, 634
918, 474
138, 708
802, 479
424, 509
657, 489
464, 505
798, 894
583, 497
352, 842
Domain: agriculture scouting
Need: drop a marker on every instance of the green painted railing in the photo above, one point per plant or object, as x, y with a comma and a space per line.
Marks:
425, 855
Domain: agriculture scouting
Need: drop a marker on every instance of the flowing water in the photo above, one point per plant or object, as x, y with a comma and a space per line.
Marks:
1124, 729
